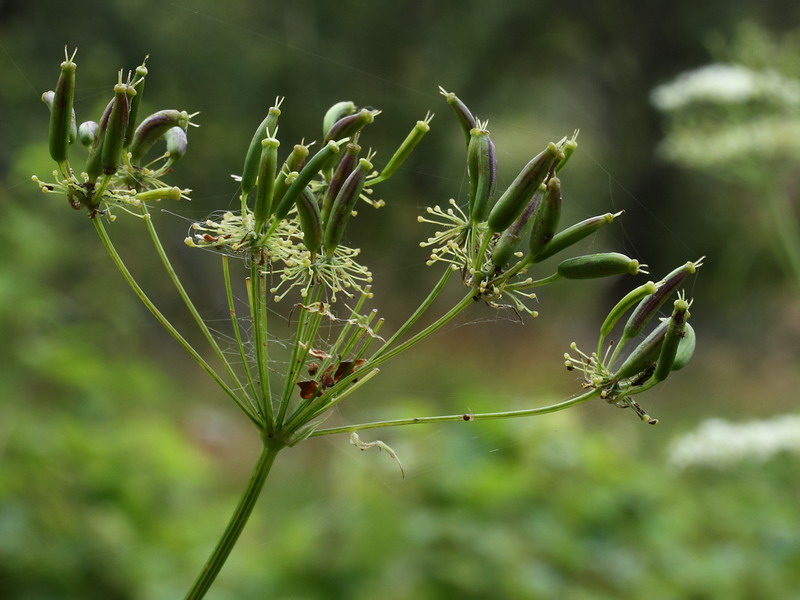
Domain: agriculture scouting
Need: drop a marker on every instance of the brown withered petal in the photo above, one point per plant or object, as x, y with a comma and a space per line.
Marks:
321, 354
313, 368
308, 389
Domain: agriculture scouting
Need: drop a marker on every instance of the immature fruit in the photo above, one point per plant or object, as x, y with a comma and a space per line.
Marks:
605, 264
61, 117
573, 234
482, 168
343, 205
267, 128
152, 128
336, 112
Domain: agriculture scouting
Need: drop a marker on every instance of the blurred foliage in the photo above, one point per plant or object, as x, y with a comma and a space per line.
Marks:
118, 468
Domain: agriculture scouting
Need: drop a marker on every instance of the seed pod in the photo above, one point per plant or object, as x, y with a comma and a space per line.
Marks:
335, 113
482, 168
152, 128
645, 355
510, 240
343, 206
61, 117
268, 164
545, 220
310, 220
408, 145
308, 172
685, 348
177, 142
573, 234
47, 98
516, 197
464, 116
342, 172
672, 339
115, 131
87, 132
294, 162
94, 166
569, 149
349, 126
165, 193
625, 304
650, 305
604, 264
136, 101
267, 128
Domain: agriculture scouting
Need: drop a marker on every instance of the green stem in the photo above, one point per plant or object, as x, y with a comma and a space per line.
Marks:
117, 260
235, 325
258, 311
512, 414
236, 523
187, 300
417, 313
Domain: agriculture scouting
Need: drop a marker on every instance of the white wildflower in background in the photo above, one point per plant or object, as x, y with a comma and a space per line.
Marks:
726, 84
721, 444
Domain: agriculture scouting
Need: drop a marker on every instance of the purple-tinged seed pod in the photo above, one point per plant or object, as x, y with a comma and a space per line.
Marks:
136, 101
304, 177
573, 234
94, 166
343, 206
627, 301
349, 126
87, 132
152, 128
645, 355
510, 240
605, 264
463, 114
346, 166
114, 136
516, 197
61, 118
651, 304
482, 169
310, 220
294, 163
545, 221
336, 112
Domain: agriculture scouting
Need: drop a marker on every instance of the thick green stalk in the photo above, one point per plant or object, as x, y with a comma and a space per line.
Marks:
201, 324
511, 414
117, 260
258, 312
236, 523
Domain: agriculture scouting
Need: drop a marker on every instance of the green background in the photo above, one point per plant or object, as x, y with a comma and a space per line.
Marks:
120, 463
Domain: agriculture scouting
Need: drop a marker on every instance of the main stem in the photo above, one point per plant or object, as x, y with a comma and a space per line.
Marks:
237, 522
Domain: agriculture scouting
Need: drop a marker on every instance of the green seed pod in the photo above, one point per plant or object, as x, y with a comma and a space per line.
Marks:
268, 164
645, 355
482, 168
177, 142
343, 206
310, 220
604, 264
464, 116
569, 149
114, 136
516, 197
624, 305
267, 128
304, 177
48, 98
672, 339
510, 240
349, 126
165, 193
94, 166
61, 117
573, 234
152, 128
685, 348
336, 112
408, 145
651, 304
87, 132
136, 101
545, 220
294, 163
346, 166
